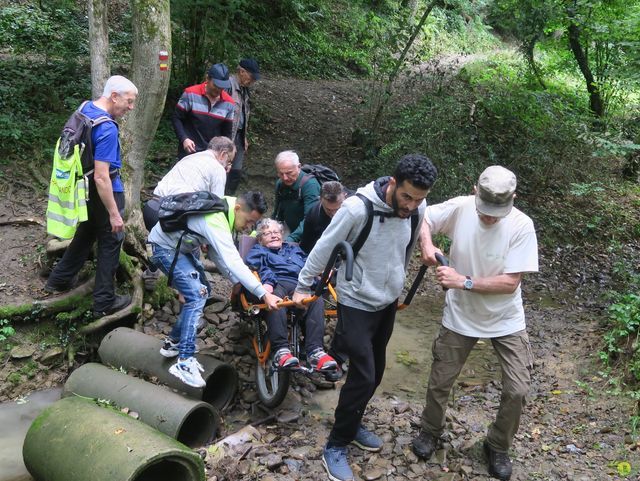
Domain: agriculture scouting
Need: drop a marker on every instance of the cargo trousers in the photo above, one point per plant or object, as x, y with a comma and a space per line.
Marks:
450, 352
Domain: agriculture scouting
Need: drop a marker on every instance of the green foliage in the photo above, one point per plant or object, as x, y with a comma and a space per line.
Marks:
621, 339
6, 330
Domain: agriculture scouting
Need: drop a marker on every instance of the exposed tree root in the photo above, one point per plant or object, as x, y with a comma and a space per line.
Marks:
65, 302
57, 247
134, 308
24, 221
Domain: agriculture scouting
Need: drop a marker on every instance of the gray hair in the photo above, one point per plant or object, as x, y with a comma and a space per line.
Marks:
119, 85
264, 224
331, 190
287, 156
221, 144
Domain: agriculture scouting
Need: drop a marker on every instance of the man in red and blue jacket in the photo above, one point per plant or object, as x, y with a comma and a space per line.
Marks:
204, 111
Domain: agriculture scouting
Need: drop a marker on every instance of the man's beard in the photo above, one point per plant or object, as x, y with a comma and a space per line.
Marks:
404, 213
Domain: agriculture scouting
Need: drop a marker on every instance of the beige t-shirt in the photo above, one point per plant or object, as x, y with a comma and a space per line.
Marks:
478, 250
196, 172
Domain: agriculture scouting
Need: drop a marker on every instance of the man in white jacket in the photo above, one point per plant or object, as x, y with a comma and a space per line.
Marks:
367, 304
188, 275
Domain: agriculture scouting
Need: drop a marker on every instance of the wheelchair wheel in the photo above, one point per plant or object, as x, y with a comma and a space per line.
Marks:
272, 385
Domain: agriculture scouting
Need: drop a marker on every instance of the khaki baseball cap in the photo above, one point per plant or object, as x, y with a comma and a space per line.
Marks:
495, 191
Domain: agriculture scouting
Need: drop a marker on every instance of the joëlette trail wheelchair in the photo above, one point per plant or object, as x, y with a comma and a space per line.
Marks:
272, 381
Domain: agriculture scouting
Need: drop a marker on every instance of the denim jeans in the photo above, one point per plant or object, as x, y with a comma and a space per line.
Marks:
189, 280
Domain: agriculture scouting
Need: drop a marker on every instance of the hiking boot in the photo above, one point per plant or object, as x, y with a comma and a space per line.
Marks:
499, 463
321, 361
285, 359
52, 288
171, 348
188, 371
366, 440
150, 278
335, 462
119, 303
424, 445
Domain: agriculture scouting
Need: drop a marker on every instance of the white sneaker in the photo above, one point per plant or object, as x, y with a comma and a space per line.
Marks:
188, 371
171, 348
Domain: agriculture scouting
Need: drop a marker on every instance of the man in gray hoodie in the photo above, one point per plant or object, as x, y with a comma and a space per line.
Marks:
367, 304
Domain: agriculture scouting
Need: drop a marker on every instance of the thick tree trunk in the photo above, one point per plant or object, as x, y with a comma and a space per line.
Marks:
98, 45
150, 70
596, 104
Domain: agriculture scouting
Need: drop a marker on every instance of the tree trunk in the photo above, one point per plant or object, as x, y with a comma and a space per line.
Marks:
396, 70
596, 104
98, 45
529, 49
151, 36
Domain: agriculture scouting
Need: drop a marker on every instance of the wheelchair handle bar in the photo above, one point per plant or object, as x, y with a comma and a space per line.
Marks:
442, 260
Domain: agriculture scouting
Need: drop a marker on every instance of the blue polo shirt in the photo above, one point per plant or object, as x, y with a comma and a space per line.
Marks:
106, 144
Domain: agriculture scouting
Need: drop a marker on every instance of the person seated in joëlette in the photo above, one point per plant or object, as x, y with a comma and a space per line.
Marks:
278, 263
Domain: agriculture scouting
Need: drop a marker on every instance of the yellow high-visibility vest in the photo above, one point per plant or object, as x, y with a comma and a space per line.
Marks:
67, 205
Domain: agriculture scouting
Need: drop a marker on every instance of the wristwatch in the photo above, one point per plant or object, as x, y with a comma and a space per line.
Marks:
468, 284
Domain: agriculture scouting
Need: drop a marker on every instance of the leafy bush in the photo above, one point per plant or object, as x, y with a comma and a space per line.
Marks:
621, 340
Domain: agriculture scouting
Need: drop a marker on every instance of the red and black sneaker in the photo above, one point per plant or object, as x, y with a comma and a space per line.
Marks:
321, 361
285, 359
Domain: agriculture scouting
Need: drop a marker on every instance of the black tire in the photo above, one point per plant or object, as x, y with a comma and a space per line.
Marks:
272, 385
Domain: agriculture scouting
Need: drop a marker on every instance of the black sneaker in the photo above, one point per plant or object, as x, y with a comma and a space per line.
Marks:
499, 463
334, 376
424, 445
119, 303
61, 288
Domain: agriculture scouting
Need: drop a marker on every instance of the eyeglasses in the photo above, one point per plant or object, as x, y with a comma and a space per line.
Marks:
270, 233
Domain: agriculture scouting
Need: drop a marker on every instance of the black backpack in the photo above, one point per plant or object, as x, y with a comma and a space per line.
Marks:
175, 210
77, 131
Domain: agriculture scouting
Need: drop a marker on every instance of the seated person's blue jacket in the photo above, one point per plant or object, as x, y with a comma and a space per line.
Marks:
275, 265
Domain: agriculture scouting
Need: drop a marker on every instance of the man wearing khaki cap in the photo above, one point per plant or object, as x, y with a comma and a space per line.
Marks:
492, 245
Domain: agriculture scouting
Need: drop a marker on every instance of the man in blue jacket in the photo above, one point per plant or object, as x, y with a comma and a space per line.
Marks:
279, 264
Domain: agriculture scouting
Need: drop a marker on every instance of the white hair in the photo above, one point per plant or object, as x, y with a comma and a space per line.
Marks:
119, 85
287, 156
264, 224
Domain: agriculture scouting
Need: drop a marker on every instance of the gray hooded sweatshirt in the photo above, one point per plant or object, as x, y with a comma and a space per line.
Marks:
380, 268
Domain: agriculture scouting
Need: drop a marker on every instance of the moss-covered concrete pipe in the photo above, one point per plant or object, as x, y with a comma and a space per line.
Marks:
191, 422
129, 349
77, 440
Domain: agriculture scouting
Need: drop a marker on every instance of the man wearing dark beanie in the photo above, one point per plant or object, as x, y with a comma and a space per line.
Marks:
247, 74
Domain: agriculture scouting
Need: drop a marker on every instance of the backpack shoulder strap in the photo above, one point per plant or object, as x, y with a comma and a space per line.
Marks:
364, 233
305, 178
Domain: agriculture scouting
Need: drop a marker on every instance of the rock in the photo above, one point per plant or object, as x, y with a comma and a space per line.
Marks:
401, 407
273, 461
293, 465
288, 416
373, 474
22, 352
301, 453
51, 355
249, 396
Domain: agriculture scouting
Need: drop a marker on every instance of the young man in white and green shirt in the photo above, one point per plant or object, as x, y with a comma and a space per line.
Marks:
188, 275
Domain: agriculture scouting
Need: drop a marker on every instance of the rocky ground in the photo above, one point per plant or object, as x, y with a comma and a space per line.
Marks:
573, 428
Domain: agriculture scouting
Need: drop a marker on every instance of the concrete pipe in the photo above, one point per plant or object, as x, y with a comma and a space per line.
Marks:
77, 440
129, 349
191, 422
